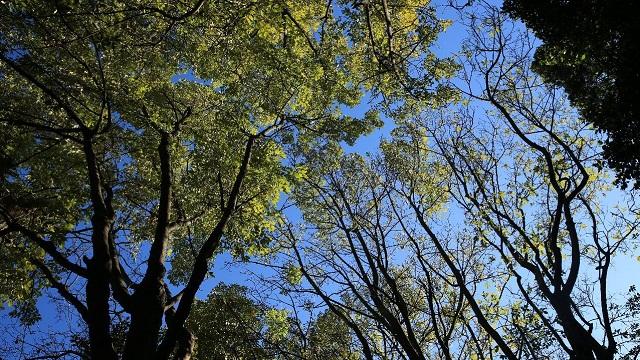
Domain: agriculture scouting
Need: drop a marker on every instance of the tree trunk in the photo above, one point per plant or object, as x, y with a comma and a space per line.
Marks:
584, 346
146, 320
98, 294
186, 345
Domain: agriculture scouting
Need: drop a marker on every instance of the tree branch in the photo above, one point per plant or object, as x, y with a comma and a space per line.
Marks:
62, 289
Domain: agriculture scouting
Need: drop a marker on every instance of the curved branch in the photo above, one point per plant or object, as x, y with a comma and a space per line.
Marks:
62, 289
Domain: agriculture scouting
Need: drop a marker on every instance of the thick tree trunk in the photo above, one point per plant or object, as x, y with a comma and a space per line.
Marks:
146, 320
584, 346
99, 266
98, 294
201, 266
150, 298
186, 345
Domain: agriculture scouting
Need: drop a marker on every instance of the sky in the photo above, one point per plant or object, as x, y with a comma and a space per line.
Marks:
228, 271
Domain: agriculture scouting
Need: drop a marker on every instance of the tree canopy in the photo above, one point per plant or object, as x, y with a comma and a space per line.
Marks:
144, 140
589, 48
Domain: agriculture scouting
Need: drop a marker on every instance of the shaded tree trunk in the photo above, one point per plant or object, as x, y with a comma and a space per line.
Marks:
146, 320
99, 266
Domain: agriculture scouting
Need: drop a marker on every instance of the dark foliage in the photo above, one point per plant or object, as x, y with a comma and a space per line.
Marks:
590, 47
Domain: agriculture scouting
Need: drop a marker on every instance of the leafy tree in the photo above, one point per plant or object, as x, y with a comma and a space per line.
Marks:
228, 325
488, 220
589, 48
526, 177
144, 136
362, 254
323, 337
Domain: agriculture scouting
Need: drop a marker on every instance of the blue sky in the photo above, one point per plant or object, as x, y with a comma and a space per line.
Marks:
622, 275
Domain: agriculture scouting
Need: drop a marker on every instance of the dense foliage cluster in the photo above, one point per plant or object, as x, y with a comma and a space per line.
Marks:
589, 48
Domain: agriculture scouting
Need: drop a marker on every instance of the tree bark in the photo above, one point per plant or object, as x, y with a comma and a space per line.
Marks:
99, 266
201, 266
150, 298
146, 320
98, 294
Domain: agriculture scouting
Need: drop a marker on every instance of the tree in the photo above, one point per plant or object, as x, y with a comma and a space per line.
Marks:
494, 206
589, 48
228, 325
537, 205
353, 260
231, 325
363, 251
118, 166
